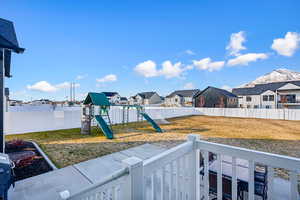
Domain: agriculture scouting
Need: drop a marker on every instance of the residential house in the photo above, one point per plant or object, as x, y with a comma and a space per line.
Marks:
181, 98
213, 97
123, 100
145, 98
113, 97
270, 95
40, 102
12, 102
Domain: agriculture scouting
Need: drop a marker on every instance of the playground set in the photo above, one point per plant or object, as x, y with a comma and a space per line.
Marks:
97, 107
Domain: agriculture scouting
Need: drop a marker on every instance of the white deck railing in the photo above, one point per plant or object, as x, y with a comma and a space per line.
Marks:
184, 173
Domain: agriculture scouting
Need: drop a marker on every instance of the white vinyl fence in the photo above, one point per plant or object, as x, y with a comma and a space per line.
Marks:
284, 114
37, 121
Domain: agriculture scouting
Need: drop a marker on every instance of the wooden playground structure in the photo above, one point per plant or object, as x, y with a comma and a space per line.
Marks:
97, 107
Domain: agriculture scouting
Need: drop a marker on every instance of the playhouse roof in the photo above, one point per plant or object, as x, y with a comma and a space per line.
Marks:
97, 99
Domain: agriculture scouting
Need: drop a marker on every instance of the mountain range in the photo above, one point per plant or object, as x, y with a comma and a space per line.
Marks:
278, 75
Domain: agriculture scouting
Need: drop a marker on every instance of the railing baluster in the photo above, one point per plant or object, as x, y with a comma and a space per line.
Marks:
171, 180
294, 185
234, 181
177, 179
219, 179
270, 182
163, 184
197, 174
184, 177
206, 175
251, 180
152, 186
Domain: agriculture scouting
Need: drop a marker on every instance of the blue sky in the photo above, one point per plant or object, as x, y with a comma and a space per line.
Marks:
134, 46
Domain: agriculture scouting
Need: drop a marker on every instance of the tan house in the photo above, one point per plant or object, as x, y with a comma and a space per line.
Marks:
181, 98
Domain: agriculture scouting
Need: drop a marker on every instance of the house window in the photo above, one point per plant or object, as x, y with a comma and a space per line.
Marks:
176, 100
268, 107
271, 97
265, 98
248, 99
255, 106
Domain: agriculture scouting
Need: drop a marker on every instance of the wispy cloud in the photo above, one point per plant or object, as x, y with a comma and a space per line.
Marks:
288, 45
44, 86
189, 52
245, 59
107, 78
226, 87
169, 70
82, 76
236, 43
188, 86
208, 64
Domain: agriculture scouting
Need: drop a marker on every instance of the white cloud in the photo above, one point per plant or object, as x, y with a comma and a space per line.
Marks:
288, 45
44, 86
107, 78
236, 43
207, 64
245, 59
148, 69
170, 71
226, 87
188, 86
189, 52
65, 85
80, 77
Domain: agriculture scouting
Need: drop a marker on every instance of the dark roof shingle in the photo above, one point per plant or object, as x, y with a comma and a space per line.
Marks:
261, 88
146, 95
183, 93
223, 92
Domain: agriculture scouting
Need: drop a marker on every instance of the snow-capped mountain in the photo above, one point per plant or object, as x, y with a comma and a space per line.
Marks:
277, 75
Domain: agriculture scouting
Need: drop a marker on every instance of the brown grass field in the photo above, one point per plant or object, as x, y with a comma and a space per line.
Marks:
66, 147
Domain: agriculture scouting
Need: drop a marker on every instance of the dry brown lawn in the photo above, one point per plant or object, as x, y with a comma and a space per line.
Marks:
66, 147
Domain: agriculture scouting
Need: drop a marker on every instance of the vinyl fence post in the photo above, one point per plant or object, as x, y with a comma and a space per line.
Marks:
195, 167
134, 190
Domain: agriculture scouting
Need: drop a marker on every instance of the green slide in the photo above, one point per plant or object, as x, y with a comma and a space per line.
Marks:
152, 122
104, 127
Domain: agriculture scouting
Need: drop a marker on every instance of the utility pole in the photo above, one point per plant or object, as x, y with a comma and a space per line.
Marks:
70, 93
74, 92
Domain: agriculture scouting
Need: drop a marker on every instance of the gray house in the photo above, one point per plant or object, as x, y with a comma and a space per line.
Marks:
181, 98
213, 97
284, 94
145, 98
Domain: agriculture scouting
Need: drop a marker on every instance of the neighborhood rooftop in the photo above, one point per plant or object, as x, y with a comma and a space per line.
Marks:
224, 92
146, 95
183, 93
110, 94
261, 88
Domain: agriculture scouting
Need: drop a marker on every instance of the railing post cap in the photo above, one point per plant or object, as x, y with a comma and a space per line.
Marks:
193, 137
133, 161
